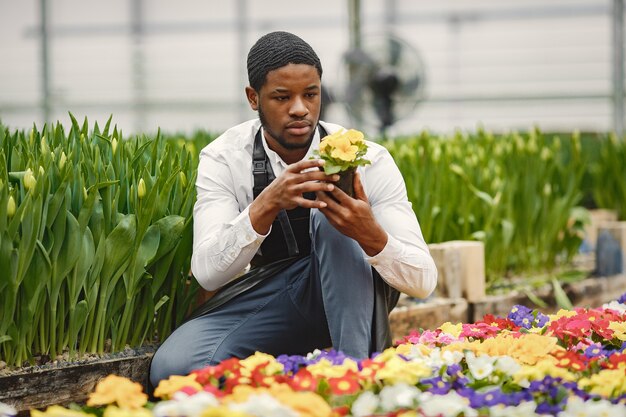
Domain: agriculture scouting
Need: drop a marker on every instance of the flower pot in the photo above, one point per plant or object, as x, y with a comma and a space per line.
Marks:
346, 181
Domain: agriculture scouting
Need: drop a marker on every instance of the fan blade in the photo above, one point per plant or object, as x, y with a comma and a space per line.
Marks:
395, 51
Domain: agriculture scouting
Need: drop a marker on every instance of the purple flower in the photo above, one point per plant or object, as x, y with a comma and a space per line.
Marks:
522, 316
437, 385
622, 299
595, 350
550, 409
291, 363
488, 399
541, 319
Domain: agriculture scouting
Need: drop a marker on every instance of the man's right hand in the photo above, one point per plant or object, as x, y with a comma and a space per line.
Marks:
286, 192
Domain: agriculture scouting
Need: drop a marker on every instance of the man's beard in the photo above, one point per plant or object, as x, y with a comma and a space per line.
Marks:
281, 139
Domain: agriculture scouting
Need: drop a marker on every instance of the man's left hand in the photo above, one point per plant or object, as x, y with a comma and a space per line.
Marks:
353, 217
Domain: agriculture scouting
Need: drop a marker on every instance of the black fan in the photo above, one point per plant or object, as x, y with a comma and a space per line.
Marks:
384, 81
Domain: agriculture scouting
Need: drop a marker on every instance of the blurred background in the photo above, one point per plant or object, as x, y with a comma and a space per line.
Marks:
397, 66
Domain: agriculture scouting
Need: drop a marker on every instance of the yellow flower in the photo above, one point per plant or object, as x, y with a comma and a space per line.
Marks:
113, 411
29, 180
116, 389
409, 349
252, 362
561, 313
543, 368
305, 403
168, 387
223, 411
354, 136
619, 330
527, 349
10, 207
397, 369
324, 368
608, 383
58, 411
141, 189
344, 149
410, 413
451, 329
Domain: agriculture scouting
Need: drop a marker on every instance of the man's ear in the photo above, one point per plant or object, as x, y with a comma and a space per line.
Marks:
253, 98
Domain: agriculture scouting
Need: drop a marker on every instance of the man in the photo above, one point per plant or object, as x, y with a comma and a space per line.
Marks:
325, 268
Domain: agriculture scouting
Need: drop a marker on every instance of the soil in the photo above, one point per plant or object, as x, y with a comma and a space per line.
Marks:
44, 362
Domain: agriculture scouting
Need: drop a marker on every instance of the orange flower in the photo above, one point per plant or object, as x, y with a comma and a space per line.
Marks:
116, 389
168, 387
345, 385
303, 380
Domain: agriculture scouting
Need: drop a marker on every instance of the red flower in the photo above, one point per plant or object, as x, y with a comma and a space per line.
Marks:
500, 322
614, 361
411, 338
571, 360
345, 385
213, 390
205, 375
341, 411
369, 368
479, 330
303, 380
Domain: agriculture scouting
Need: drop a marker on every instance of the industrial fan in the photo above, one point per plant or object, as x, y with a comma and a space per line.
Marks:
383, 81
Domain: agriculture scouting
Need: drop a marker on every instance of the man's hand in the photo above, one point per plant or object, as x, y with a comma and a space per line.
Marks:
286, 192
354, 218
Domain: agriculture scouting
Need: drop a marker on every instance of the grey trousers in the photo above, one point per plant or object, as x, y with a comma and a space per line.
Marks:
323, 300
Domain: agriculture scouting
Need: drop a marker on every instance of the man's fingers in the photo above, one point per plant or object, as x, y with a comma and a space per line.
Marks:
305, 164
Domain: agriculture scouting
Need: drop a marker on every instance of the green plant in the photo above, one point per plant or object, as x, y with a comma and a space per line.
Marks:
518, 193
95, 239
609, 171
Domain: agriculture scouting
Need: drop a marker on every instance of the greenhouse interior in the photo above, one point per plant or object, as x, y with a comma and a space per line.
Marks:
384, 208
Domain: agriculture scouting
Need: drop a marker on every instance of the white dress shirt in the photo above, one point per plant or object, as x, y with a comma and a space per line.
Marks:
224, 240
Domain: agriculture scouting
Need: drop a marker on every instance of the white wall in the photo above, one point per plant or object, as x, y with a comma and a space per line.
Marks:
503, 64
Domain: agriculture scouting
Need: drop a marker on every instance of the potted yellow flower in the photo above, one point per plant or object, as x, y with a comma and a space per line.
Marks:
343, 152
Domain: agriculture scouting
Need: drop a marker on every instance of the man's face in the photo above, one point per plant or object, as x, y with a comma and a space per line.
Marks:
289, 106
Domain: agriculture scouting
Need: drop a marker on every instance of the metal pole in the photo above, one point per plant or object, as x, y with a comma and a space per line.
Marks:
45, 60
618, 67
354, 17
242, 39
138, 64
391, 15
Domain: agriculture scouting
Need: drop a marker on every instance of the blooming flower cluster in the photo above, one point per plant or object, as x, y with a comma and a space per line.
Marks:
572, 363
342, 150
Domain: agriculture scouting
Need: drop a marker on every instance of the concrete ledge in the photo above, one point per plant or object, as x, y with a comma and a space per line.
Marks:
427, 315
68, 383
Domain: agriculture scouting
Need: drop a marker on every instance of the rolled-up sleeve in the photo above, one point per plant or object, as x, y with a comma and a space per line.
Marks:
224, 240
405, 262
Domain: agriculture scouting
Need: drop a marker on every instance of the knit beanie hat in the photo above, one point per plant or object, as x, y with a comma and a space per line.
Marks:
275, 50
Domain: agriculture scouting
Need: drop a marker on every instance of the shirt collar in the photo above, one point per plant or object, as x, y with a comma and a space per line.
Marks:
277, 161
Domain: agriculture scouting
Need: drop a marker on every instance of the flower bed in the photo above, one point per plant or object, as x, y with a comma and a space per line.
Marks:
526, 364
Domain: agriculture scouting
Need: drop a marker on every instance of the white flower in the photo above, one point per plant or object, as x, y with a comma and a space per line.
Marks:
614, 305
365, 404
314, 354
183, 405
7, 410
264, 405
400, 395
480, 367
525, 409
451, 358
507, 365
577, 407
449, 405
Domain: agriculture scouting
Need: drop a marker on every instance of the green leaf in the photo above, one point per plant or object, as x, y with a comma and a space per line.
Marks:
534, 298
560, 296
